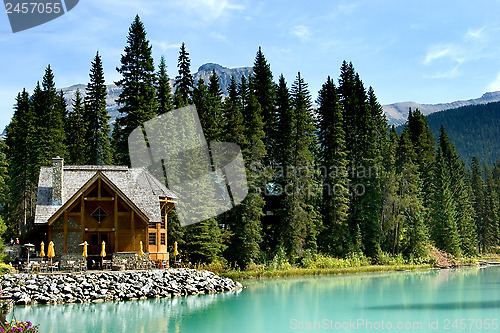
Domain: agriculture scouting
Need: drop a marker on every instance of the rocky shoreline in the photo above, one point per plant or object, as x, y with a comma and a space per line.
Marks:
96, 287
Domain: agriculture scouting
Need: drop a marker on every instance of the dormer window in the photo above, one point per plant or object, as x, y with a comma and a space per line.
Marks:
99, 215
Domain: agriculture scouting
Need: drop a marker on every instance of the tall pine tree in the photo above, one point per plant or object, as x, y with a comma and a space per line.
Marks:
137, 101
444, 229
263, 88
299, 213
460, 188
335, 199
184, 81
20, 151
75, 131
96, 117
163, 89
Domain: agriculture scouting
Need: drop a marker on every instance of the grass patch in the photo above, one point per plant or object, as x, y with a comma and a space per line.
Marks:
267, 273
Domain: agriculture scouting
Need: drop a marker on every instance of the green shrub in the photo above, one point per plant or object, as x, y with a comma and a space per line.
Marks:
280, 261
216, 267
356, 259
385, 258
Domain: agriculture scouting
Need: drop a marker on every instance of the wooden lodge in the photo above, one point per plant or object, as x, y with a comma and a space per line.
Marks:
118, 205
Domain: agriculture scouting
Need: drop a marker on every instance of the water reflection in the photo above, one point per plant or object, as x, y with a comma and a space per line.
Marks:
270, 305
155, 315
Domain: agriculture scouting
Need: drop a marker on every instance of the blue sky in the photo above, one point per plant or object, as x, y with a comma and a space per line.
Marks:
423, 51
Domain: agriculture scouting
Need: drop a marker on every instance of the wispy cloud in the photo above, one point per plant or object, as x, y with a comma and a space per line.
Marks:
447, 74
476, 34
302, 32
164, 46
209, 9
436, 52
472, 46
495, 84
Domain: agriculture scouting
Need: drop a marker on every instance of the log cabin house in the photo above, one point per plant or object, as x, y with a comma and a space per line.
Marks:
115, 204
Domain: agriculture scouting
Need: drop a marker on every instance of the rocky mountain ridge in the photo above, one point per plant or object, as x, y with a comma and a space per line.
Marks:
397, 113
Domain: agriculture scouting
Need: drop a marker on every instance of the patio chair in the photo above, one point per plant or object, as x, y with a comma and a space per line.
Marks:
28, 267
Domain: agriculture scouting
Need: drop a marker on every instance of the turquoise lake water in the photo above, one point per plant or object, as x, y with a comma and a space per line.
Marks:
456, 300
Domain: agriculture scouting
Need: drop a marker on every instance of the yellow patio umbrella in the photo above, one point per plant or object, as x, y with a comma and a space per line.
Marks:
42, 252
176, 253
51, 253
103, 250
85, 254
141, 251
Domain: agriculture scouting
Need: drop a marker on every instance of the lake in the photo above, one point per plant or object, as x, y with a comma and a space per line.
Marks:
454, 300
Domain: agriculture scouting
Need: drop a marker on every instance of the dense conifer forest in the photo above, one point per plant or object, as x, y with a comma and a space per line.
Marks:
335, 180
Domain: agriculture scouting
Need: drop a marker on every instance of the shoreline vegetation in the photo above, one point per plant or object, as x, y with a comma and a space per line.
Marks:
297, 271
353, 264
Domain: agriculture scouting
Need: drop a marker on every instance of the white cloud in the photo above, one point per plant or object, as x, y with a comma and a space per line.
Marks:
442, 51
302, 32
209, 9
164, 46
495, 84
447, 74
476, 34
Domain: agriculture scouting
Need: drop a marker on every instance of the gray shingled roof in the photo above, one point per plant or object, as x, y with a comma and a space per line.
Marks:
137, 184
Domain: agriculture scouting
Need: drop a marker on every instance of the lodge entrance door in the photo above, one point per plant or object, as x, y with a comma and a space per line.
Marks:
95, 239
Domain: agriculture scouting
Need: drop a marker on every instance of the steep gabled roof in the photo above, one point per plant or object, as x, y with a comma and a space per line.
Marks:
137, 185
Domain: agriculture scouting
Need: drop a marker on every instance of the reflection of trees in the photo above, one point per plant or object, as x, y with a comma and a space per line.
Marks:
375, 296
131, 316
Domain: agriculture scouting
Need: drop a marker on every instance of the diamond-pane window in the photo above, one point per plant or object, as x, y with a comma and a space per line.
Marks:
99, 214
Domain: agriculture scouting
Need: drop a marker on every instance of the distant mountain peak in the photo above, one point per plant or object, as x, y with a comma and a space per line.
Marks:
211, 66
224, 74
397, 113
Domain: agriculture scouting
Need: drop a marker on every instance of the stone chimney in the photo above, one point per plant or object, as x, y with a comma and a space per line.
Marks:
57, 180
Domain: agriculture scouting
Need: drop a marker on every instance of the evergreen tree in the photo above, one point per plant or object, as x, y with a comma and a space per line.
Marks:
364, 161
299, 212
444, 229
20, 151
184, 81
75, 131
490, 230
335, 199
96, 117
284, 118
461, 190
214, 87
390, 217
244, 126
137, 100
244, 100
423, 141
478, 191
263, 88
233, 91
234, 129
209, 110
204, 241
4, 178
209, 105
163, 90
49, 110
410, 232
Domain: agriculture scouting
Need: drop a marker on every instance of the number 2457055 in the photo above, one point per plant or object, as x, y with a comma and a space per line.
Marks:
33, 7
